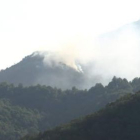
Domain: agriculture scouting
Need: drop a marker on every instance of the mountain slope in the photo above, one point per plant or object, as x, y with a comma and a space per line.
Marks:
32, 71
118, 121
116, 51
31, 109
45, 69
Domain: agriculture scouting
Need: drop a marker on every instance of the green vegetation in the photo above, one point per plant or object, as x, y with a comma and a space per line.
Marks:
37, 108
117, 121
16, 121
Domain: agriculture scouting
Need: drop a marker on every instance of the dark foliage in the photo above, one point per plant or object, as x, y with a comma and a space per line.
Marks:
118, 121
37, 108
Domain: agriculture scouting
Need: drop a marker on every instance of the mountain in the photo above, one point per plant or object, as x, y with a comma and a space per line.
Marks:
32, 70
116, 51
119, 120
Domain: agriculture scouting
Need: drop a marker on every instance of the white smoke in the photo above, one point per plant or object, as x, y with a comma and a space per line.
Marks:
112, 54
58, 58
119, 53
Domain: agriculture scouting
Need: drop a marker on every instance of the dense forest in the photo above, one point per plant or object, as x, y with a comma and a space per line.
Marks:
119, 120
37, 108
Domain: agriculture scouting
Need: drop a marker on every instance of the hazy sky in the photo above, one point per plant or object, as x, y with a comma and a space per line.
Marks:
30, 25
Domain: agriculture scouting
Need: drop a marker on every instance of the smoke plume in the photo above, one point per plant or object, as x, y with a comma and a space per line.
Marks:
113, 54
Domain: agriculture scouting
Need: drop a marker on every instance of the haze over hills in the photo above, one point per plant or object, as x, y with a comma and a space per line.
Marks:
118, 50
111, 55
63, 60
56, 98
120, 57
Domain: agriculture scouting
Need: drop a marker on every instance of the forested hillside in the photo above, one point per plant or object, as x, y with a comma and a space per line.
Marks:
118, 121
37, 108
37, 69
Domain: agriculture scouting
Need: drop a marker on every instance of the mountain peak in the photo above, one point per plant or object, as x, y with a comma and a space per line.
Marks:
44, 68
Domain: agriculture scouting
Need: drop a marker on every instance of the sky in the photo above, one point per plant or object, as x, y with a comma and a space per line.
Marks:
30, 25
